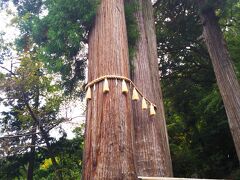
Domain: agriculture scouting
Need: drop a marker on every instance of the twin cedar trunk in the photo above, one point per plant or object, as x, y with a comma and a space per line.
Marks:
223, 67
151, 140
109, 152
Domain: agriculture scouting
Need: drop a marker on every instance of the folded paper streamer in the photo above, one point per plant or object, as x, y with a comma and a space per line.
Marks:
135, 93
88, 94
152, 110
135, 96
124, 87
144, 104
105, 86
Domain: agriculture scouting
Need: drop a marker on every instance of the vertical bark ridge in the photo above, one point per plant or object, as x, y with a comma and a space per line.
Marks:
152, 148
108, 152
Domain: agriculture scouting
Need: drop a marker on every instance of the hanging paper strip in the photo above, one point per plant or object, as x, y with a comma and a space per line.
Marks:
152, 110
105, 86
124, 87
144, 104
88, 94
135, 96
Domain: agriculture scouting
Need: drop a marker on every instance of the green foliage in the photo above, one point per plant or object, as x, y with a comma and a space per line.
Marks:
132, 7
31, 98
231, 26
5, 52
59, 30
200, 140
54, 33
1, 48
68, 153
69, 156
13, 167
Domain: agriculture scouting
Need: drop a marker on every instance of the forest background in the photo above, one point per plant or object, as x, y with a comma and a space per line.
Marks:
47, 69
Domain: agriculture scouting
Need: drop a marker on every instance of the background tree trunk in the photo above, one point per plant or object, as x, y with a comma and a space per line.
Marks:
108, 152
43, 133
32, 156
57, 170
151, 139
224, 70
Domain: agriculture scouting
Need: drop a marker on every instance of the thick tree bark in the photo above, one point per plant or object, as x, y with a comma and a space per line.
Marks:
151, 140
32, 156
224, 70
108, 151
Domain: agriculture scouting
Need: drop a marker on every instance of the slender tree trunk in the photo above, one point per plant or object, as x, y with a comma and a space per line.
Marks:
34, 136
32, 156
151, 140
50, 153
108, 152
44, 135
224, 70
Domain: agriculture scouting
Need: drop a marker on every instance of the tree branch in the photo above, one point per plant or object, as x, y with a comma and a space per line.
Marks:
6, 69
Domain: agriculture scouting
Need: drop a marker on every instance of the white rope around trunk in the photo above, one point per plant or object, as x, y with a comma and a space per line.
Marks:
135, 95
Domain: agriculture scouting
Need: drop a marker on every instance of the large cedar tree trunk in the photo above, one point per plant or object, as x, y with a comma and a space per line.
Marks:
151, 140
224, 70
108, 151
